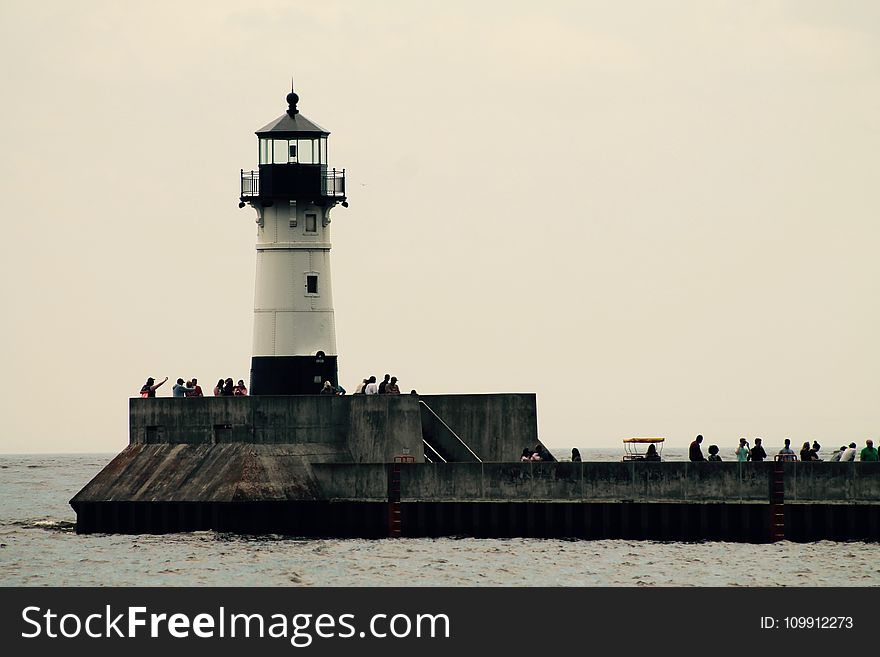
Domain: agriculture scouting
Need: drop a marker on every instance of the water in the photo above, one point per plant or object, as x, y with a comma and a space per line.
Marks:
38, 547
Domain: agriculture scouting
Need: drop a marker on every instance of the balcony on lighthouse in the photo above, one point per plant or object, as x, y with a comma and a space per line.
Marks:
293, 163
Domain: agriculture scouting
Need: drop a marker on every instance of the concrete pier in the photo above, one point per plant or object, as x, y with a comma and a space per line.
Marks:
320, 466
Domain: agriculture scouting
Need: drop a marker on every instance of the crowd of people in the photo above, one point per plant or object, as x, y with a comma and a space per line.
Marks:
191, 388
744, 452
387, 387
226, 388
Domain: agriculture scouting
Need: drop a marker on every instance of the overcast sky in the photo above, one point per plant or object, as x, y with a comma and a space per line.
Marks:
661, 217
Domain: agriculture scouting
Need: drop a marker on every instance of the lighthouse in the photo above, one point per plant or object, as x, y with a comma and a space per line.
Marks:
293, 192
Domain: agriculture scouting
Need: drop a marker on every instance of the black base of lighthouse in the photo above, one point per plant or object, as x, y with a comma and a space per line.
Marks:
292, 375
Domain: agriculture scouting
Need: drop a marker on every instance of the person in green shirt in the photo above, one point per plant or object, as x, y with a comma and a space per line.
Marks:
869, 453
742, 452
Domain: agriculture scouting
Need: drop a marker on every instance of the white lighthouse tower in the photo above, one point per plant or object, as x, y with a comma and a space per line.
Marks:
293, 192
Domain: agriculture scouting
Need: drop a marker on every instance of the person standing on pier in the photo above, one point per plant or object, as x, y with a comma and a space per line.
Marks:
383, 387
181, 390
197, 389
757, 453
849, 454
787, 453
869, 453
742, 452
149, 388
805, 452
694, 452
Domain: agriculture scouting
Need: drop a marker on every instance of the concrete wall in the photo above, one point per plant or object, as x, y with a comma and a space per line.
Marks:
520, 482
832, 482
384, 426
828, 483
364, 428
366, 482
496, 427
589, 481
313, 471
373, 428
218, 420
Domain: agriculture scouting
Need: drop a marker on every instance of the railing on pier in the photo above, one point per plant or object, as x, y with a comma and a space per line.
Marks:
461, 443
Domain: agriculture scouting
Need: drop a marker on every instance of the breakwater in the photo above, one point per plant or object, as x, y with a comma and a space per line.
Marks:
324, 466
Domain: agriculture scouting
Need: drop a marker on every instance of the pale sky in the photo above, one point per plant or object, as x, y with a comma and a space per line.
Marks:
661, 217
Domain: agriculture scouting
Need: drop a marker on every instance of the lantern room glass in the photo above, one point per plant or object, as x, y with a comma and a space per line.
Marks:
293, 151
306, 151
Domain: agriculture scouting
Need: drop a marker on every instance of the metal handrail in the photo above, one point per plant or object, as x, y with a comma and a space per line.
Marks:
449, 429
431, 447
334, 179
250, 183
332, 183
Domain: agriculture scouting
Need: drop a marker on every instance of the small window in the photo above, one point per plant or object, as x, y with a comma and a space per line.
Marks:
293, 152
311, 222
306, 151
279, 151
312, 284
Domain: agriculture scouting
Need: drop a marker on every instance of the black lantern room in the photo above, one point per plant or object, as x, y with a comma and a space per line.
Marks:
293, 163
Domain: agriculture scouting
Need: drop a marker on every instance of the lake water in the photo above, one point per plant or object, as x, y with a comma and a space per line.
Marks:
38, 547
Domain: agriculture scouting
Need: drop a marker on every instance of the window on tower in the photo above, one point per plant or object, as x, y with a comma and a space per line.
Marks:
293, 151
306, 151
311, 222
280, 153
312, 284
